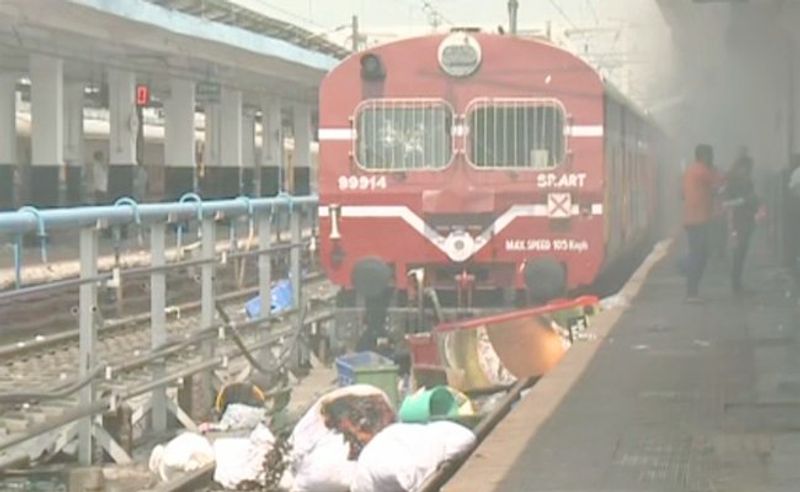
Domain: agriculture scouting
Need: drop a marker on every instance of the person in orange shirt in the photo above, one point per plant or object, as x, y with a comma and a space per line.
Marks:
700, 182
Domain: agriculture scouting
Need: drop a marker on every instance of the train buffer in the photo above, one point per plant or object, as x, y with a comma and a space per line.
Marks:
667, 396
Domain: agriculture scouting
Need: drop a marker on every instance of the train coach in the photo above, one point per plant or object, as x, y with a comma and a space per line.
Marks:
479, 163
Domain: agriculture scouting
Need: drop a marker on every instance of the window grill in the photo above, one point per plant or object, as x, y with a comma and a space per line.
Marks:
404, 134
519, 133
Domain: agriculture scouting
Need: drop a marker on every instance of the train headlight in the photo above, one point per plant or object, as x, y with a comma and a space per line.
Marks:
372, 67
459, 246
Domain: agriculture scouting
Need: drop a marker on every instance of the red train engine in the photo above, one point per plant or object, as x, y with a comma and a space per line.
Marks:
486, 162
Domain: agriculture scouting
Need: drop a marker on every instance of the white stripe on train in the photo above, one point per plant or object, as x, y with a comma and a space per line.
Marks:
349, 134
418, 224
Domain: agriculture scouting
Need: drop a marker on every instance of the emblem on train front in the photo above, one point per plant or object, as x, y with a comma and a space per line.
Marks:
459, 55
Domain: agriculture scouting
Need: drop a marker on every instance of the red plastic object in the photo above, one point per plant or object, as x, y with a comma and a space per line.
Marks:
555, 306
424, 350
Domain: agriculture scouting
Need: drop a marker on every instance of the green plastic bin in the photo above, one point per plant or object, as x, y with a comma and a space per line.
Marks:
369, 368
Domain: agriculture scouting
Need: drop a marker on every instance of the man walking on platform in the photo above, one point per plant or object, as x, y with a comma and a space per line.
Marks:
741, 197
699, 184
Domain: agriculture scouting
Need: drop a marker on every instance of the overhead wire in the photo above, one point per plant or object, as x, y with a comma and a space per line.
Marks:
563, 13
593, 10
289, 13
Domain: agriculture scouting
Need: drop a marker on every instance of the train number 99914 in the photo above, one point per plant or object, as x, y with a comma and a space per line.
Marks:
362, 183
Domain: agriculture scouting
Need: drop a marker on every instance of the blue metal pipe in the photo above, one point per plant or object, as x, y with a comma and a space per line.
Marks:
21, 222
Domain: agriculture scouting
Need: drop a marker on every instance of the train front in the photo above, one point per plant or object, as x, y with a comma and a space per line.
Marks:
471, 163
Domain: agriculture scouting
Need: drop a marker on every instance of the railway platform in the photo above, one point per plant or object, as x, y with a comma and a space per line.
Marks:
668, 396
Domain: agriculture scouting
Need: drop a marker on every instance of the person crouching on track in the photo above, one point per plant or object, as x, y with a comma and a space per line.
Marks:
699, 184
740, 195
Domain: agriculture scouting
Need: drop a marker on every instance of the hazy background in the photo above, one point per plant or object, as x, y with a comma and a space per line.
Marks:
716, 72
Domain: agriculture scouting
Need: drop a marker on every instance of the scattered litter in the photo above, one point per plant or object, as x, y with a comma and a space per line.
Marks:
282, 299
237, 416
402, 456
185, 453
586, 336
702, 343
489, 403
428, 404
641, 347
615, 301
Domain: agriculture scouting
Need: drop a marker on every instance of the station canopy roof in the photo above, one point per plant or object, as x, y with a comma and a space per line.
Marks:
237, 14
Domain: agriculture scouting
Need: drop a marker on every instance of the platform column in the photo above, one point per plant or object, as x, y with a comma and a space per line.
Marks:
794, 96
231, 144
87, 337
212, 150
124, 126
271, 147
8, 139
204, 399
301, 158
158, 322
73, 142
179, 141
47, 132
248, 152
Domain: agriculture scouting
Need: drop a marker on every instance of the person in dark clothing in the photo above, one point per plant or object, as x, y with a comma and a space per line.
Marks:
741, 197
700, 181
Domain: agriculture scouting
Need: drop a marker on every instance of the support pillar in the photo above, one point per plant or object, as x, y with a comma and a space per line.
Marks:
204, 399
271, 147
158, 321
301, 161
212, 151
87, 337
794, 96
264, 273
248, 152
47, 132
231, 144
296, 274
179, 143
124, 126
73, 142
8, 140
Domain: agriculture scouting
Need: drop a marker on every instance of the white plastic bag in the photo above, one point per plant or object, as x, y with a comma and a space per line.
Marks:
326, 468
311, 428
402, 456
185, 453
238, 416
319, 456
242, 459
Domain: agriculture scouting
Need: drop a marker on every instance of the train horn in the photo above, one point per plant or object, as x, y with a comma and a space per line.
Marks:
335, 212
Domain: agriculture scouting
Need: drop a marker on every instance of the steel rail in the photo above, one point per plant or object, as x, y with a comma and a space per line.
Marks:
107, 403
48, 341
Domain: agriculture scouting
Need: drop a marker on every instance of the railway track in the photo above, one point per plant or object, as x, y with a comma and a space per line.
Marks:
48, 366
55, 305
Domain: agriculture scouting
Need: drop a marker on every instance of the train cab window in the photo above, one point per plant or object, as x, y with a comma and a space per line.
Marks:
516, 134
402, 135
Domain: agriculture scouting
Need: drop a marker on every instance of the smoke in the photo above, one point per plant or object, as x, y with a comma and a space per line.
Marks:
733, 79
